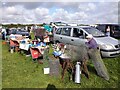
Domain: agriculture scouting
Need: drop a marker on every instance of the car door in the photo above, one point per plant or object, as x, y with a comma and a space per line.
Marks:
57, 35
78, 37
115, 31
65, 35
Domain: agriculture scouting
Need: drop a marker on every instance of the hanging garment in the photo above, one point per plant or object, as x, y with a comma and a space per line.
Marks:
98, 63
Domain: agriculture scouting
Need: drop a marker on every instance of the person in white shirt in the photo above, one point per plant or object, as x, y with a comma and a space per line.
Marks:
3, 34
108, 31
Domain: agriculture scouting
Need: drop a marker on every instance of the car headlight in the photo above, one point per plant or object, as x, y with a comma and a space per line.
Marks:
107, 46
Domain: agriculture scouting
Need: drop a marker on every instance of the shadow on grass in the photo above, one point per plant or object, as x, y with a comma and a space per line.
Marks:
51, 87
91, 69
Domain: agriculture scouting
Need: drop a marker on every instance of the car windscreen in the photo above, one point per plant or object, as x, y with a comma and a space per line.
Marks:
95, 32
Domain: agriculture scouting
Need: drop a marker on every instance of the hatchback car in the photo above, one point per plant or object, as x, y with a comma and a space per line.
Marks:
76, 35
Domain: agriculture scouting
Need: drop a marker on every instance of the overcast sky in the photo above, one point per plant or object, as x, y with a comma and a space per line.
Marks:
37, 11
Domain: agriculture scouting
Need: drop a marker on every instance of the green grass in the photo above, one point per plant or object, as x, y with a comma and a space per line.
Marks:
20, 71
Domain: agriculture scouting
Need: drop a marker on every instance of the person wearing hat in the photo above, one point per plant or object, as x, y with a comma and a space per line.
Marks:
91, 44
94, 54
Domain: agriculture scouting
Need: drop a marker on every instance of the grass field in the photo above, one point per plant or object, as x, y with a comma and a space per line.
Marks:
19, 71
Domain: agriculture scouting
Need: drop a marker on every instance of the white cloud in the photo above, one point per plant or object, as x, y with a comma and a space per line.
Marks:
60, 14
41, 15
87, 7
41, 11
81, 15
87, 13
60, 0
11, 10
91, 6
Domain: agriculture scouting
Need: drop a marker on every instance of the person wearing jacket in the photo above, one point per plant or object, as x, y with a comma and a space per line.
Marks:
94, 54
91, 44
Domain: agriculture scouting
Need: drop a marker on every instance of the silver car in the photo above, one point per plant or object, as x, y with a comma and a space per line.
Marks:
76, 35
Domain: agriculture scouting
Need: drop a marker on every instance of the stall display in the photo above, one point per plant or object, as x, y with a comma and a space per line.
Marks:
25, 44
14, 41
38, 50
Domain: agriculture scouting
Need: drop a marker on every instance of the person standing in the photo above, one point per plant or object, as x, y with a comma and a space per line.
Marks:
7, 31
94, 54
108, 31
3, 34
91, 44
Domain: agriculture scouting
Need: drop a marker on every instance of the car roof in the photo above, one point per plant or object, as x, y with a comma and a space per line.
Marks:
73, 26
110, 24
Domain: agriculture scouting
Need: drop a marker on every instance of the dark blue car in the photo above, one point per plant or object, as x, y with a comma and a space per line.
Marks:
21, 32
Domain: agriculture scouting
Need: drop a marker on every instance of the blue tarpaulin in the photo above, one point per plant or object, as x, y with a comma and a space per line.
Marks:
47, 28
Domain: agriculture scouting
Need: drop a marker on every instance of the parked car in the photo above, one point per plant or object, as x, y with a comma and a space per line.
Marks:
114, 29
20, 31
76, 35
23, 33
12, 31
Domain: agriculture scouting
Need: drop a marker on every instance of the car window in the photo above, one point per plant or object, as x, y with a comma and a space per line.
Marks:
66, 31
116, 28
101, 28
94, 32
77, 32
13, 31
58, 31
